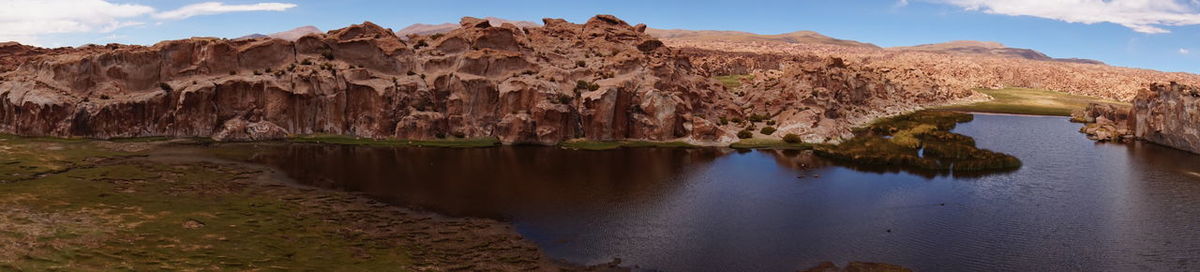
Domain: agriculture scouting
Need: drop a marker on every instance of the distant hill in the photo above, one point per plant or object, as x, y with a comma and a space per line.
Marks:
808, 37
291, 35
426, 29
988, 49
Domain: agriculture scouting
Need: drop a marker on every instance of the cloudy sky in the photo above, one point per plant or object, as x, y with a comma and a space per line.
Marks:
1155, 34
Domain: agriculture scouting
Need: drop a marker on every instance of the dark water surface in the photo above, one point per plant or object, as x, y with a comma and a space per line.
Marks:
1076, 205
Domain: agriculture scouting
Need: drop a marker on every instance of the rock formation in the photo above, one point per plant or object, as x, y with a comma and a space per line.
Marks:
1168, 114
1105, 122
602, 80
953, 70
824, 98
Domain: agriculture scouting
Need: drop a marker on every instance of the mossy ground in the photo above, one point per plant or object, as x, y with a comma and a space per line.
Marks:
1030, 101
609, 145
346, 140
76, 206
762, 143
919, 140
732, 81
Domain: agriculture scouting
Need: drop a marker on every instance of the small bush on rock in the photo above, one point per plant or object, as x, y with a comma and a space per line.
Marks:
792, 138
745, 134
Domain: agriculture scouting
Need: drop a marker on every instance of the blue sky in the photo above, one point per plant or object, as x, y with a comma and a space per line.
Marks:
1128, 33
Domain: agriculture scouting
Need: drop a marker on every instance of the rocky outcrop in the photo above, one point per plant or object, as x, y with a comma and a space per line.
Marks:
1105, 122
602, 80
1168, 114
823, 98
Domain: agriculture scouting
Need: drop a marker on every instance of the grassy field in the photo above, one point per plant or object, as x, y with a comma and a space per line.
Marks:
732, 81
1029, 101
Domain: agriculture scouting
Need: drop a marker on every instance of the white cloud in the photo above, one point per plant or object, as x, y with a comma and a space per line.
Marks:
1145, 16
28, 21
210, 8
1185, 51
901, 3
25, 20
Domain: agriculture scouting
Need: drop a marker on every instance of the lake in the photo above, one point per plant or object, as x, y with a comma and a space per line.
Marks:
1074, 205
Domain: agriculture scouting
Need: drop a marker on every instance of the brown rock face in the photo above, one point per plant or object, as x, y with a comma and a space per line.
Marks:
1168, 114
601, 80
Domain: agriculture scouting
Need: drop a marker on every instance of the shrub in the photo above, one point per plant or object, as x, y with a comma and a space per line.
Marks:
165, 87
767, 130
792, 138
580, 63
745, 134
306, 62
420, 44
722, 121
770, 122
758, 118
327, 54
584, 85
565, 99
257, 73
232, 73
436, 36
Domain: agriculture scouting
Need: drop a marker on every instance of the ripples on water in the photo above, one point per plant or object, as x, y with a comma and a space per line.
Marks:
1074, 205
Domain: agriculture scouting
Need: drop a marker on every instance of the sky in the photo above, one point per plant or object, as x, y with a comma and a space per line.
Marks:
1154, 34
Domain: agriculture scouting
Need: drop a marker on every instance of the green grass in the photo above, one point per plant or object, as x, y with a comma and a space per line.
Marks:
346, 140
1029, 101
73, 211
733, 81
760, 143
898, 142
609, 145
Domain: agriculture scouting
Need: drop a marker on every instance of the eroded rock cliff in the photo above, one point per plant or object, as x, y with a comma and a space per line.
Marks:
1168, 114
601, 80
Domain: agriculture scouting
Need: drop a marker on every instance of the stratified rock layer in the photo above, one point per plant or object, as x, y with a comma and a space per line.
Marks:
1168, 114
603, 80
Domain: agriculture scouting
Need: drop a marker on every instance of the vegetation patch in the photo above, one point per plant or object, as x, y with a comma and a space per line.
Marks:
347, 140
761, 143
733, 81
919, 140
1030, 101
580, 144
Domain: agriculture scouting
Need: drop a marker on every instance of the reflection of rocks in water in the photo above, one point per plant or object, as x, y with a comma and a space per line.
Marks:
491, 182
797, 159
857, 267
807, 159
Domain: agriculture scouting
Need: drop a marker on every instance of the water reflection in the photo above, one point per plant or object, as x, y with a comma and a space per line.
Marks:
490, 182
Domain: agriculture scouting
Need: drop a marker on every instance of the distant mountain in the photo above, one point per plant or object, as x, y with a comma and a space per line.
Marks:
987, 49
290, 35
426, 29
808, 37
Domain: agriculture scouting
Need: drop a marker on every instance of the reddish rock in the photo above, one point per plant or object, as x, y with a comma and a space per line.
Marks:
480, 80
1168, 114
